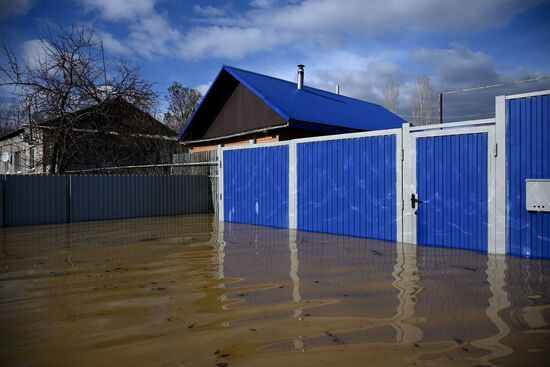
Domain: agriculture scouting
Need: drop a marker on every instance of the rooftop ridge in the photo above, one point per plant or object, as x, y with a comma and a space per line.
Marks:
305, 86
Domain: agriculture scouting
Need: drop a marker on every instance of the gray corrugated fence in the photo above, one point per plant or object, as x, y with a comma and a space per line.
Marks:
37, 199
30, 199
199, 163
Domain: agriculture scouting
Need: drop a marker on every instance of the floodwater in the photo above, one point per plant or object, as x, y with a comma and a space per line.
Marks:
186, 291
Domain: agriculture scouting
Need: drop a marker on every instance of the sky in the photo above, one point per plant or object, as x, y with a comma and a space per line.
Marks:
358, 45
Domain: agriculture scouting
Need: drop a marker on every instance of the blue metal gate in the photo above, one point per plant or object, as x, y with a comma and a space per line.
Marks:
255, 186
452, 186
528, 156
348, 187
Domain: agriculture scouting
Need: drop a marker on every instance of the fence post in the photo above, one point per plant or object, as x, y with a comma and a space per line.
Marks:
219, 196
399, 165
292, 185
501, 179
68, 203
407, 214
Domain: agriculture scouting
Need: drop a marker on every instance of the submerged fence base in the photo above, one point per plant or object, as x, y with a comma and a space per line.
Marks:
44, 199
460, 185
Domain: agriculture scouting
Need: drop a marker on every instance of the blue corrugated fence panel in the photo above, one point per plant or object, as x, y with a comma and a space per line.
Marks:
256, 186
528, 152
348, 187
451, 179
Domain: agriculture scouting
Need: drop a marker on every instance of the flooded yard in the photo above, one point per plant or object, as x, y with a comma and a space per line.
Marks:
187, 291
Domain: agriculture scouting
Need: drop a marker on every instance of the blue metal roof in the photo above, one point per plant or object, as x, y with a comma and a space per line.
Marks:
311, 105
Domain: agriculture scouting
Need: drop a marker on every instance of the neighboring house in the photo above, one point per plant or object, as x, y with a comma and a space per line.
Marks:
22, 156
112, 134
242, 105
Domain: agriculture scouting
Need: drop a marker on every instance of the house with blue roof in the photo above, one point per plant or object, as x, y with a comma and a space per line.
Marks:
242, 105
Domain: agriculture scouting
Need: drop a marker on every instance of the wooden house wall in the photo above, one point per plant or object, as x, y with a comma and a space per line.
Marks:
242, 111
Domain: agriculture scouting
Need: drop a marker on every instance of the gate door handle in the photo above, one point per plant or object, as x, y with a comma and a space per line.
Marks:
415, 200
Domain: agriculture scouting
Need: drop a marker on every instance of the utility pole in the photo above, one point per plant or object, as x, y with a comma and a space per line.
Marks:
440, 108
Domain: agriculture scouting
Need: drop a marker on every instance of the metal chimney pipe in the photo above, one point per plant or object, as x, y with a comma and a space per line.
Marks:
300, 76
337, 89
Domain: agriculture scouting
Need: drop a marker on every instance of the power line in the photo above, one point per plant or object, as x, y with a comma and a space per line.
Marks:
488, 113
440, 99
497, 85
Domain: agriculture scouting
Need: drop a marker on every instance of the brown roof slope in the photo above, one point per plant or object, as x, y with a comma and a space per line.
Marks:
116, 115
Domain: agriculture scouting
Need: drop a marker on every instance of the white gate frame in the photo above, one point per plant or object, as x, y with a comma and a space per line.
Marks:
406, 170
455, 128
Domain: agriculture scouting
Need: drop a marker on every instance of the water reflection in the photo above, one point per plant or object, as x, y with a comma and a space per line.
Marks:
451, 300
496, 268
406, 281
165, 290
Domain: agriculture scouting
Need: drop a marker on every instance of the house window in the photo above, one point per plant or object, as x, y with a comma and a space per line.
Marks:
17, 162
31, 158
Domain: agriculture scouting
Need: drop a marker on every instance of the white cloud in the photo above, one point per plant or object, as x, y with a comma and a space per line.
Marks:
14, 8
203, 88
34, 52
262, 3
365, 82
227, 42
150, 33
381, 16
320, 21
153, 35
208, 11
112, 44
121, 9
272, 23
459, 66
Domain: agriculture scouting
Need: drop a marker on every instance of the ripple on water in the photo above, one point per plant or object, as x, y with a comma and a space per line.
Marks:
163, 291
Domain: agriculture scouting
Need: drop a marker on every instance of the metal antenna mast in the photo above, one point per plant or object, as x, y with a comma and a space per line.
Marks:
104, 68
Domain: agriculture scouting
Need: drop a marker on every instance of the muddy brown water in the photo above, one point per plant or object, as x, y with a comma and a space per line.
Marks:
186, 291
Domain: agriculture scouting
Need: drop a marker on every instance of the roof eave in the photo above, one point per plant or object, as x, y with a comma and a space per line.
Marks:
236, 135
13, 134
321, 127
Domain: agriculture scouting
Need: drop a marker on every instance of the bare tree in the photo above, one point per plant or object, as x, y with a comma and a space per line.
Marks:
182, 102
67, 75
391, 95
423, 105
12, 117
